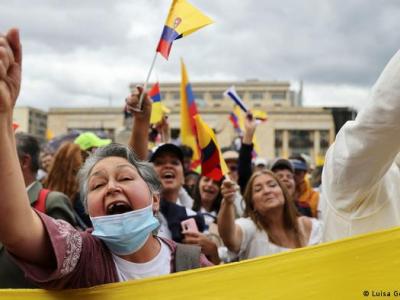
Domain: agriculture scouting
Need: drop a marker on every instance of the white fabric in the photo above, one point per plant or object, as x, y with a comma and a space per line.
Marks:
159, 265
209, 217
255, 242
239, 204
184, 198
360, 180
164, 231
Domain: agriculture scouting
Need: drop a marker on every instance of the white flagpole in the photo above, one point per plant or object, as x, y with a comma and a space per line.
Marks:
139, 108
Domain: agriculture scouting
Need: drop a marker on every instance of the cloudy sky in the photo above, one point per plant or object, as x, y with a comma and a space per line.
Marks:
85, 53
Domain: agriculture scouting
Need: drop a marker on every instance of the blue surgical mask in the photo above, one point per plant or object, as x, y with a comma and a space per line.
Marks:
126, 233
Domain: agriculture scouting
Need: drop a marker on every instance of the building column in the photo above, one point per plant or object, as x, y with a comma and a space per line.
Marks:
317, 144
285, 144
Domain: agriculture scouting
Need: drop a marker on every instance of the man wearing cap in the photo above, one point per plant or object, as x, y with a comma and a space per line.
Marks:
89, 142
284, 170
259, 164
231, 158
305, 195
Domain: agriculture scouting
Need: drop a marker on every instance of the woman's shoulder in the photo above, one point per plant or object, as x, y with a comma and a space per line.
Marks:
312, 228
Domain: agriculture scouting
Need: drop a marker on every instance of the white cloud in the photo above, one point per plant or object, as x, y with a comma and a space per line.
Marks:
81, 52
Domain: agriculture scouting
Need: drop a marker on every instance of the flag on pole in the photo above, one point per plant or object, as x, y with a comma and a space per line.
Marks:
260, 115
158, 109
212, 163
240, 122
188, 111
231, 93
183, 19
235, 122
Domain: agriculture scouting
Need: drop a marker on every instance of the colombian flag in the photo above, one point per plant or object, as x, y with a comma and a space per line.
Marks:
238, 113
212, 163
235, 122
158, 109
183, 19
231, 93
260, 115
188, 111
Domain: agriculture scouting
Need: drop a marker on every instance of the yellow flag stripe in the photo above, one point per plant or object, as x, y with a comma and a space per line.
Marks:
184, 18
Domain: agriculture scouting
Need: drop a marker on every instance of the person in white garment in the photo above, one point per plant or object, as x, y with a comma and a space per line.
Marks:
361, 176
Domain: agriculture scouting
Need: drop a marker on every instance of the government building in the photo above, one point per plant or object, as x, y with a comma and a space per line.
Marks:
290, 129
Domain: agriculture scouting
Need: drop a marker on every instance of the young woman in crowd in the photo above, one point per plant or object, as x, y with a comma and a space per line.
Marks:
271, 223
207, 199
62, 177
121, 196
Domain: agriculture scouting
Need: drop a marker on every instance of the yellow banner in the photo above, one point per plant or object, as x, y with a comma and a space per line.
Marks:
362, 267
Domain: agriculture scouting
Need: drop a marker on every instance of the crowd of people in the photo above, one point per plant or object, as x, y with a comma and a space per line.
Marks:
95, 212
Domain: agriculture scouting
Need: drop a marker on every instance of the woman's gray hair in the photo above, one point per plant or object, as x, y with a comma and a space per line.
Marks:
144, 168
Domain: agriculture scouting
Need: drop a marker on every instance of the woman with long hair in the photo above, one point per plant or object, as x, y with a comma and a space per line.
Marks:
271, 223
63, 178
207, 198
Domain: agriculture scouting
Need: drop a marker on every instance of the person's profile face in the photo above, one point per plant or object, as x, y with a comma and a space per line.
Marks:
286, 177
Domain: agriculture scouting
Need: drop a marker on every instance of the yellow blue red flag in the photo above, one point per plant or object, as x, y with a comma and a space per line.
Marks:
158, 109
237, 113
183, 19
212, 163
188, 111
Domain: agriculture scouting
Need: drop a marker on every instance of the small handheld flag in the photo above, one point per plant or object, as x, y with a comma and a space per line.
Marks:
183, 19
212, 163
158, 109
235, 122
231, 93
260, 115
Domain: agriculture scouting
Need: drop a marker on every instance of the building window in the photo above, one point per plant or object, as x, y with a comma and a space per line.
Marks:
323, 141
241, 95
256, 95
278, 95
216, 96
176, 96
278, 143
199, 96
300, 142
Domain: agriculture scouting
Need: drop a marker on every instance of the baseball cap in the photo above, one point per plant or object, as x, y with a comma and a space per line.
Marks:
299, 165
167, 147
230, 155
281, 163
89, 140
260, 161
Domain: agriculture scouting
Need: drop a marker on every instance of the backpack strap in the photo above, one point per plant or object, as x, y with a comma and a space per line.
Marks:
40, 203
187, 257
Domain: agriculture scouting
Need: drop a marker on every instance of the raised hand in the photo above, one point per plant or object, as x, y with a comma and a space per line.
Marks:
250, 125
132, 103
228, 190
10, 70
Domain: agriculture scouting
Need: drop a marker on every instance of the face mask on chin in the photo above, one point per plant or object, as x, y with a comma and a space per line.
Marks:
125, 233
